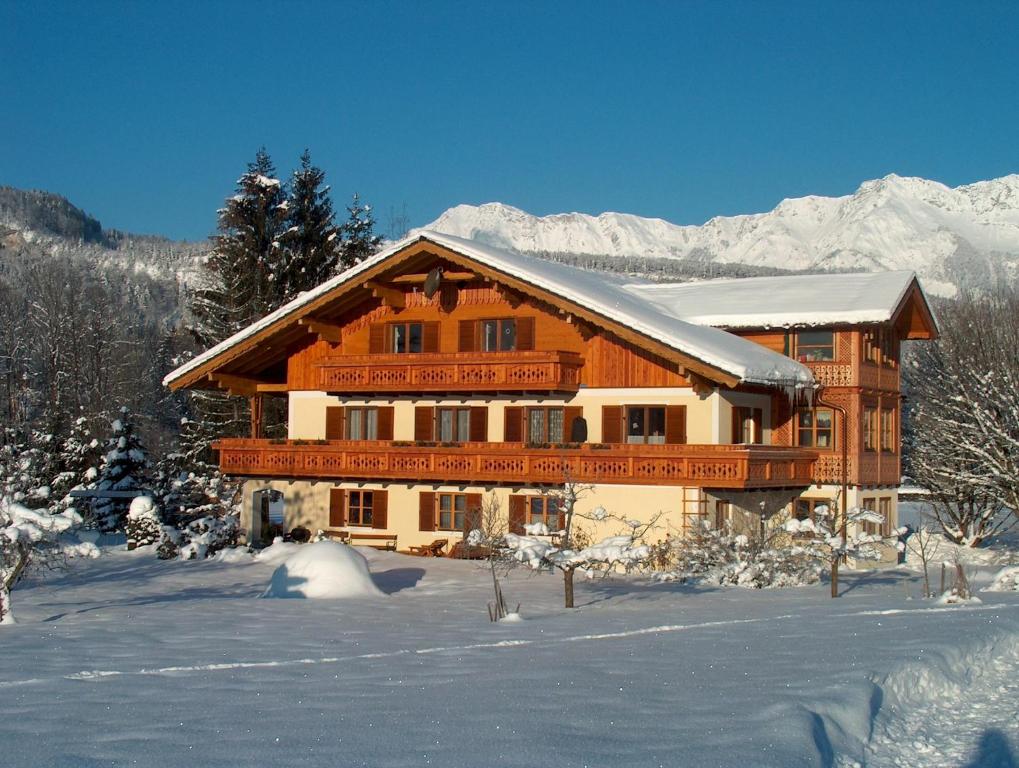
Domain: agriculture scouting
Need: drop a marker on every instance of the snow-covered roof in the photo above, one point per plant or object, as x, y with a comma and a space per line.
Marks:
597, 292
782, 302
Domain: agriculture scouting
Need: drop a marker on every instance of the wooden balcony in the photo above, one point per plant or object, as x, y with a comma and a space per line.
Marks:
532, 371
866, 375
703, 466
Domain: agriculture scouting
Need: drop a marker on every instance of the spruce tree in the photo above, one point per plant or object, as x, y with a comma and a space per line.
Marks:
359, 238
312, 240
125, 468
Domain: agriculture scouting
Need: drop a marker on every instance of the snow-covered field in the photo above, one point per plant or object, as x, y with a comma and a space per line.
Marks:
127, 660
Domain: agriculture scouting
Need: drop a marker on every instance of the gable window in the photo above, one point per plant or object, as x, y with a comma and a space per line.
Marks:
812, 346
406, 337
869, 429
359, 507
815, 428
747, 425
453, 425
545, 425
888, 441
499, 335
645, 424
544, 509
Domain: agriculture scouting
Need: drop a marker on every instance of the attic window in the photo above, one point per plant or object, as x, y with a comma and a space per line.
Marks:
813, 346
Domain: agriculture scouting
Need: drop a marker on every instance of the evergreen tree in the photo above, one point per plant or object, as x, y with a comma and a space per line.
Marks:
125, 468
359, 238
80, 454
312, 240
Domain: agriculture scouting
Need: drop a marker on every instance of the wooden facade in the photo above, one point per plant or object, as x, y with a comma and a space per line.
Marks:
486, 334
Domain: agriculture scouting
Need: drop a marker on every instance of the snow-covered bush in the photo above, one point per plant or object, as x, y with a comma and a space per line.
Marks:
200, 538
1005, 580
615, 551
32, 538
721, 557
143, 524
324, 570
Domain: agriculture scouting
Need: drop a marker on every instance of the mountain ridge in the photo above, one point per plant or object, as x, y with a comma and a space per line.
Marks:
952, 237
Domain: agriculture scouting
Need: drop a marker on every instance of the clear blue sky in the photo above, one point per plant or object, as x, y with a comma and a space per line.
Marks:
145, 113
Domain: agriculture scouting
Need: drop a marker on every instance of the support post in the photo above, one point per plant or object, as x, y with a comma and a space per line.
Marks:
257, 418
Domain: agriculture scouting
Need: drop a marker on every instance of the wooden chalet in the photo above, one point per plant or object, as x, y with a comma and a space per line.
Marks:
441, 370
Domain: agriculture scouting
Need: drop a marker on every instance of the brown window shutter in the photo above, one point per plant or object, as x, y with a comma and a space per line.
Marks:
468, 335
385, 423
423, 422
426, 511
335, 423
570, 413
517, 514
430, 337
479, 424
737, 425
380, 509
337, 508
513, 428
525, 333
377, 338
675, 423
612, 424
757, 416
472, 520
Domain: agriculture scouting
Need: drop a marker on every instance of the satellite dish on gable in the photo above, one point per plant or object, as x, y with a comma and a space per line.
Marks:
432, 282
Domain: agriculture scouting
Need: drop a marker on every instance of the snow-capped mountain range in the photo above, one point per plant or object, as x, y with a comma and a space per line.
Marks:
950, 236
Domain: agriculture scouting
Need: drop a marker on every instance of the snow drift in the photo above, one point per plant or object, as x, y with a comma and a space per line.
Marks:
325, 570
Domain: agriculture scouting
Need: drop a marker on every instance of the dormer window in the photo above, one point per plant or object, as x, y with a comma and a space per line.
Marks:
814, 346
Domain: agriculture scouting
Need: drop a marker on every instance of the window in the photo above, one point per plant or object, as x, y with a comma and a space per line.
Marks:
868, 527
869, 429
545, 425
747, 425
645, 424
721, 515
362, 424
544, 509
406, 337
888, 441
807, 509
815, 428
451, 510
359, 507
453, 425
815, 345
498, 335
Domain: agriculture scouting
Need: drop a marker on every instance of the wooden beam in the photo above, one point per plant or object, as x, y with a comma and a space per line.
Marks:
271, 388
236, 385
325, 332
391, 297
455, 277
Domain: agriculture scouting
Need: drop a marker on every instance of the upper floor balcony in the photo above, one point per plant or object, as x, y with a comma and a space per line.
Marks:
704, 466
854, 374
517, 371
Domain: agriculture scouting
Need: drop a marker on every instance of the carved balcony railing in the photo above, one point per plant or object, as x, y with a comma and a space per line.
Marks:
867, 375
532, 371
705, 466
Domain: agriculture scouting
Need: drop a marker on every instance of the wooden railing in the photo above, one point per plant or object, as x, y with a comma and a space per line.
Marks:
704, 466
532, 371
866, 375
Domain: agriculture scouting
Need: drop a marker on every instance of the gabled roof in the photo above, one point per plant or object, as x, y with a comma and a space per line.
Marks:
788, 301
591, 292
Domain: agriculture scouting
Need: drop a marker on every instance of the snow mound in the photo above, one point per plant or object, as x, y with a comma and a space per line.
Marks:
323, 570
941, 550
233, 555
277, 552
1005, 580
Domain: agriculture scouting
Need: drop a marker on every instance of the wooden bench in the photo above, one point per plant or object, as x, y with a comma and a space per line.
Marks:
383, 541
429, 550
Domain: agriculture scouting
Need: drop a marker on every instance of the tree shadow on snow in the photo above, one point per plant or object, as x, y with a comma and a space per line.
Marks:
397, 579
191, 593
604, 589
857, 579
993, 751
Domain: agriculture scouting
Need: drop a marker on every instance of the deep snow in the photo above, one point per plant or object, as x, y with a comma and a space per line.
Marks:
128, 660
